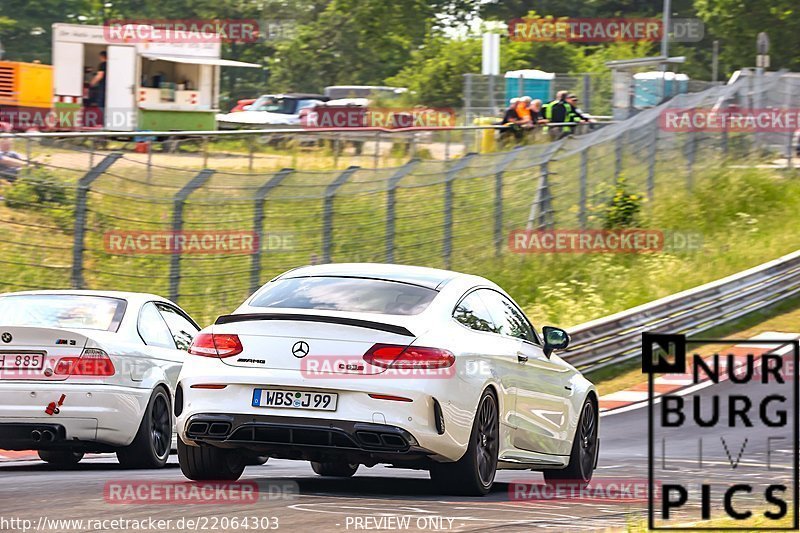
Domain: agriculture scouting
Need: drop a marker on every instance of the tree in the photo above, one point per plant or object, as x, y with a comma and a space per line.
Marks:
360, 42
736, 23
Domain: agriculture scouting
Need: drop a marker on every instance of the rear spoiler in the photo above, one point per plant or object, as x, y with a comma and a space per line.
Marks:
380, 326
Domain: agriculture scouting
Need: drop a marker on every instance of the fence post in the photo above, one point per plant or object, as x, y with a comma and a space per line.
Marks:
587, 93
391, 205
582, 187
540, 214
724, 139
691, 149
467, 98
258, 225
177, 225
149, 161
81, 195
447, 245
618, 145
327, 215
498, 198
651, 163
788, 105
377, 149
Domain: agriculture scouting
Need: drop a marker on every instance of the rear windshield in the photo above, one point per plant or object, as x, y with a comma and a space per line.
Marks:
357, 295
62, 311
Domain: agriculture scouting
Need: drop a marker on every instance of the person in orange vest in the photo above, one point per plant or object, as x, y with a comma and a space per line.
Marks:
524, 112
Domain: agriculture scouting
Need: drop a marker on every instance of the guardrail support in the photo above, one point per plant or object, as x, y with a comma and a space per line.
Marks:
391, 203
447, 244
177, 225
81, 196
327, 215
258, 225
498, 198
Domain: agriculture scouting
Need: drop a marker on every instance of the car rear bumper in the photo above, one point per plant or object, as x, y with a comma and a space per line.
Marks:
307, 438
104, 415
417, 416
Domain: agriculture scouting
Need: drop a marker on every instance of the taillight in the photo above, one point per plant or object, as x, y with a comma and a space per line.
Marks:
92, 362
413, 357
216, 345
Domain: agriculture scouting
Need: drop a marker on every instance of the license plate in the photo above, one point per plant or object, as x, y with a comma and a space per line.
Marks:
21, 361
290, 399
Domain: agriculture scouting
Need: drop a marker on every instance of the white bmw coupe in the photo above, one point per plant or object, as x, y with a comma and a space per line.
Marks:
90, 371
358, 364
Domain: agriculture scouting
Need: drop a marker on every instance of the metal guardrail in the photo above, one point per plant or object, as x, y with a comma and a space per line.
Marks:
617, 338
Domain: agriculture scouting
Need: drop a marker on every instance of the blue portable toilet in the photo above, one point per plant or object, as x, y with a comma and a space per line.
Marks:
647, 87
529, 82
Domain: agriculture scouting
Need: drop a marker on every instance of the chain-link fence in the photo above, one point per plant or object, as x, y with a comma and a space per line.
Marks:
487, 96
207, 236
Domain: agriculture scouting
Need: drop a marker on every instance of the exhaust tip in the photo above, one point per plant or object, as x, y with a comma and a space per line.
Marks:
36, 435
48, 436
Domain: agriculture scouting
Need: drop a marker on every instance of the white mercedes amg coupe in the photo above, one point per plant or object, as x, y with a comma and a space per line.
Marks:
90, 371
359, 364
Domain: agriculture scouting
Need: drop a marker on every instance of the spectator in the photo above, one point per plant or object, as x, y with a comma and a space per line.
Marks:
577, 114
10, 161
536, 112
524, 112
559, 111
511, 120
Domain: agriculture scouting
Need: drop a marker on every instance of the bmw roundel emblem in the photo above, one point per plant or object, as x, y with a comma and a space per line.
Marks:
300, 349
7, 337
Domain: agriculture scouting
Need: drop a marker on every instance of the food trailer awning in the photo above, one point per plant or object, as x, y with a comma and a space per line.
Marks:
193, 60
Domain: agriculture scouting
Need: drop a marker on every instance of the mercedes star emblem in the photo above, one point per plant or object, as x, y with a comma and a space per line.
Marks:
300, 349
7, 337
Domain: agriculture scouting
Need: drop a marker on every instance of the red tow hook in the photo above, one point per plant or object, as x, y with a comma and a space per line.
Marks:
53, 407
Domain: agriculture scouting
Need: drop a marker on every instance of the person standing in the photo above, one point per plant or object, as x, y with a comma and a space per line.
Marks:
98, 83
559, 111
577, 114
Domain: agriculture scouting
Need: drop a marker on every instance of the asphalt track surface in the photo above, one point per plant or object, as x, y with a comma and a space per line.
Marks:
379, 498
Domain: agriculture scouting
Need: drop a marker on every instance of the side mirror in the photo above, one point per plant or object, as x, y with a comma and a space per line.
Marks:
554, 339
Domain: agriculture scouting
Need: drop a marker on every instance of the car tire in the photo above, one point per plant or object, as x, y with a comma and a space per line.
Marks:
473, 474
151, 445
60, 457
207, 463
331, 469
584, 451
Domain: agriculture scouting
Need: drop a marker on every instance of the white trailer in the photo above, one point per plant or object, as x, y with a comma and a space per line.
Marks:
151, 86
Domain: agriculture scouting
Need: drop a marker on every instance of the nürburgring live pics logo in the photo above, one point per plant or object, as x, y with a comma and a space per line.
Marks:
726, 445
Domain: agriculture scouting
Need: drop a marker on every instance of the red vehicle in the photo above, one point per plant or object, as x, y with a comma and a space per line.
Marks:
241, 103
